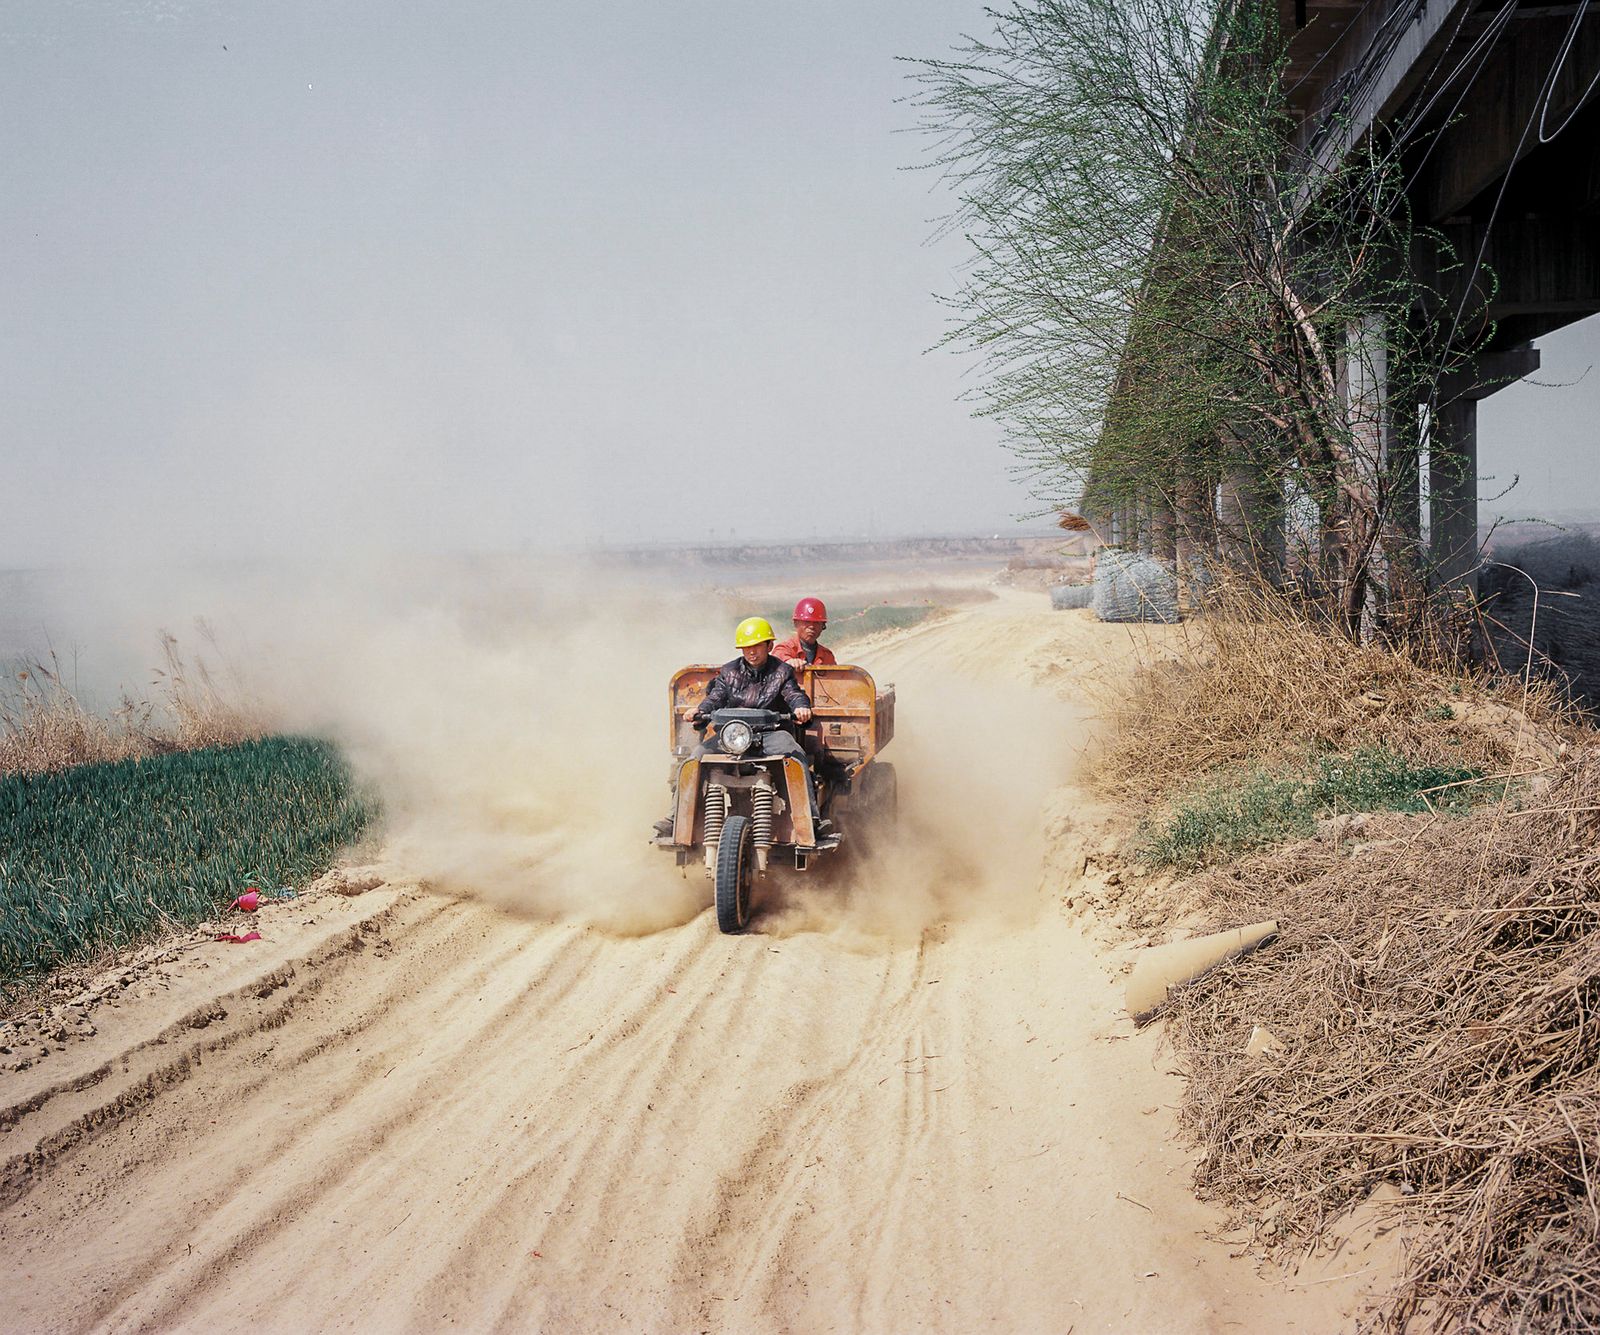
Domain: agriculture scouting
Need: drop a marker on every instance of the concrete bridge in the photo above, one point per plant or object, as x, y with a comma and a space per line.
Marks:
1498, 100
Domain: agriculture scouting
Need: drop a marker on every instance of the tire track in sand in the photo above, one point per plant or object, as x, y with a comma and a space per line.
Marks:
499, 1124
755, 1202
568, 1174
398, 1130
396, 1127
353, 1116
917, 1127
66, 1115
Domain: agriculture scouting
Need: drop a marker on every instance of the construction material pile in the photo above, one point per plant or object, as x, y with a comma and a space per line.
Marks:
1435, 991
1130, 586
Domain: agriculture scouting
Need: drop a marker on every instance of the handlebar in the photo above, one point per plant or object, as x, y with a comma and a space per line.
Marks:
760, 720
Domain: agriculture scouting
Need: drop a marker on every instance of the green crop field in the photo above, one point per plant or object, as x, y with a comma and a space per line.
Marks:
851, 623
99, 855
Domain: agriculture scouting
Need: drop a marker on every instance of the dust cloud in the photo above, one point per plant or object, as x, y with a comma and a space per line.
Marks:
511, 717
975, 760
514, 731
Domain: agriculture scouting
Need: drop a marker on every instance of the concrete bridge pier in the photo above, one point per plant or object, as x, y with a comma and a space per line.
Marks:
1250, 522
1453, 495
1194, 534
1138, 522
1163, 540
1386, 444
1195, 525
1367, 403
1402, 538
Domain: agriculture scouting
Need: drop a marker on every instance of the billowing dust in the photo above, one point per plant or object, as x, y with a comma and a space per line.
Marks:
516, 732
973, 759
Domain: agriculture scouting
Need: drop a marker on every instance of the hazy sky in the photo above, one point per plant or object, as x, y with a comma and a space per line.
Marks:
309, 274
1544, 434
339, 272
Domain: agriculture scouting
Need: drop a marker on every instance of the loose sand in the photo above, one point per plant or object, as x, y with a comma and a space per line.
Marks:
406, 1111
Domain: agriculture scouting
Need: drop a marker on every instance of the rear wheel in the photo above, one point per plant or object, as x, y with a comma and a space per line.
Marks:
735, 872
880, 794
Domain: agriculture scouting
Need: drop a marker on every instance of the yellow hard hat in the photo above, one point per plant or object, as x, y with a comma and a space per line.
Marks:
752, 630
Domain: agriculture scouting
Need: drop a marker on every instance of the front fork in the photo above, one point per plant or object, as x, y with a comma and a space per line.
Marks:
761, 822
716, 811
762, 807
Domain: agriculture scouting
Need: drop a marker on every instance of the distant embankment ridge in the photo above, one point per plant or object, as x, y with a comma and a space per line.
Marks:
756, 554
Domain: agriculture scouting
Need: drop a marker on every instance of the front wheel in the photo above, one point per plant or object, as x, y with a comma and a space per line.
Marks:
735, 872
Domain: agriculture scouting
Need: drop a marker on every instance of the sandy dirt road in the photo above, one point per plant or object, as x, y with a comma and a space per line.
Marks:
413, 1112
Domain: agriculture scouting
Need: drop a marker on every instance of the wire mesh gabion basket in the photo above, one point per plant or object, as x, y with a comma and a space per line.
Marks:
1130, 586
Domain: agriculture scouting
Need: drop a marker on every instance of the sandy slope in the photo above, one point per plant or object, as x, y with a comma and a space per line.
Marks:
412, 1112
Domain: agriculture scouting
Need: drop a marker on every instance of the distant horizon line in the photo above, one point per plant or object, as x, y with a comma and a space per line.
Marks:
1013, 531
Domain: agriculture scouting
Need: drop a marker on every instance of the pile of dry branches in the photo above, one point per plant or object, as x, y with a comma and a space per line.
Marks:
1436, 992
1436, 987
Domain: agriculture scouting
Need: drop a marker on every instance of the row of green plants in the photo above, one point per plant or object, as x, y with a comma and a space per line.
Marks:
97, 856
852, 623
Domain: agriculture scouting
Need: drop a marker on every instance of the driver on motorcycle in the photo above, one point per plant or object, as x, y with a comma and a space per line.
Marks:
756, 679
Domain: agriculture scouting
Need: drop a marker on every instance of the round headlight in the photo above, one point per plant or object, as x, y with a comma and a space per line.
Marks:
736, 737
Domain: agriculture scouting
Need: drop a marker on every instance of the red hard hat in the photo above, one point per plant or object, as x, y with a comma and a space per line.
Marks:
810, 609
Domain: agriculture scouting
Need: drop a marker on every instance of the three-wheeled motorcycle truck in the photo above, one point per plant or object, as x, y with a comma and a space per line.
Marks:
760, 791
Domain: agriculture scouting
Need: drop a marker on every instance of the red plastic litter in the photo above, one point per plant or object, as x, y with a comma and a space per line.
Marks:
249, 901
231, 936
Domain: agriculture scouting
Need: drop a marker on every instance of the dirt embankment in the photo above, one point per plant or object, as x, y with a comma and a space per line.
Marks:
908, 1101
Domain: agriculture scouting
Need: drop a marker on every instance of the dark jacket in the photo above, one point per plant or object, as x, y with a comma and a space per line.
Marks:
740, 686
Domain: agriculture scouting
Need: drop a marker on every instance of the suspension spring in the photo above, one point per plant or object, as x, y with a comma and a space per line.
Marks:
716, 811
761, 816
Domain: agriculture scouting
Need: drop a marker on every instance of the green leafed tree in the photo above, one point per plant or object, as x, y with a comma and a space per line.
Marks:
1169, 288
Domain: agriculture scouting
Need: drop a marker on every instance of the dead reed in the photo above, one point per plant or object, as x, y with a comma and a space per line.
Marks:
1436, 991
204, 712
44, 727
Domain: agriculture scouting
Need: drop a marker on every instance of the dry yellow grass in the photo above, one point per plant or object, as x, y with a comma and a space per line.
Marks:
1254, 682
44, 727
1433, 988
1436, 977
203, 713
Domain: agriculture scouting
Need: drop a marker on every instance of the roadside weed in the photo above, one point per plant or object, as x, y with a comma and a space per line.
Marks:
1230, 814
